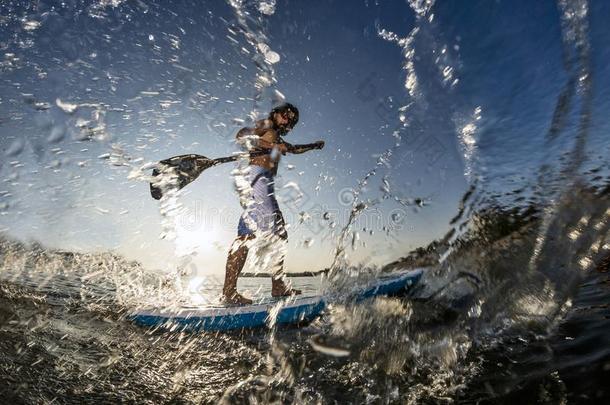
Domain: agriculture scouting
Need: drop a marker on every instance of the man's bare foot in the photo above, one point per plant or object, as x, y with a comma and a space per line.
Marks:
286, 293
236, 298
282, 290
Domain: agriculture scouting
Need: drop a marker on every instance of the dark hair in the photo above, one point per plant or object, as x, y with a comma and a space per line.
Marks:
293, 116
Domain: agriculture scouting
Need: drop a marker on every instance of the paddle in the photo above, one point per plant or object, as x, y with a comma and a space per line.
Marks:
189, 167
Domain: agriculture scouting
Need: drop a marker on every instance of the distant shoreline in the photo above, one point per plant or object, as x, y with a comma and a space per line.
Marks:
298, 274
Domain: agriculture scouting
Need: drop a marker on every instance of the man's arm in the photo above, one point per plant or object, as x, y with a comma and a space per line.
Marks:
301, 148
268, 139
245, 131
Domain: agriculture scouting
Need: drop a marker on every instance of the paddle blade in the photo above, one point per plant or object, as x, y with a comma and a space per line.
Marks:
177, 172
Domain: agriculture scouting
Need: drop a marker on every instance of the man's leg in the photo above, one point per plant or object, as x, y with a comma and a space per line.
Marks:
281, 287
235, 263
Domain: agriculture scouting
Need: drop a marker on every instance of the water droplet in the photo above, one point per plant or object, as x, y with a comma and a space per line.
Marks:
267, 7
271, 57
31, 25
66, 107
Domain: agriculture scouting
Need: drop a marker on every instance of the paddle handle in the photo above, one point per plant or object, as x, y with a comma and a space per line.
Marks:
304, 147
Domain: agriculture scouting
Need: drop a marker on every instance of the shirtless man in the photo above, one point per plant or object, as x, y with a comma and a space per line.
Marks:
263, 217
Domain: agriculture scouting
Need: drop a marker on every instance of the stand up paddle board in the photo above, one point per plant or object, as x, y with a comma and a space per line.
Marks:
293, 311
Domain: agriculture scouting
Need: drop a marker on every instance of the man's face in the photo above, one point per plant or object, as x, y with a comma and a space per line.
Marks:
284, 120
281, 119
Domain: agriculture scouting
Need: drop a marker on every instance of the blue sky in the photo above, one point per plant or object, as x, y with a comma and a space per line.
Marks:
178, 79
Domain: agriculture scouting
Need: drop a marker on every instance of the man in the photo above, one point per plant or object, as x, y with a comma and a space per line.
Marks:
262, 216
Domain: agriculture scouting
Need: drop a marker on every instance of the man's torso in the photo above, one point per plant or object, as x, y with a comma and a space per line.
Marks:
271, 160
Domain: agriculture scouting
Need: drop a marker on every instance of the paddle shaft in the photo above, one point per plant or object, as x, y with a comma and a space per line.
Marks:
304, 148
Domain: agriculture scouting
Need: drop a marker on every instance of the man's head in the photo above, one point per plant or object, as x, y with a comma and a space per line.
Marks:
284, 117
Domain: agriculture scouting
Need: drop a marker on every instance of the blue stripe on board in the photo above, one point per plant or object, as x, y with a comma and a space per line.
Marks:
244, 320
390, 287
